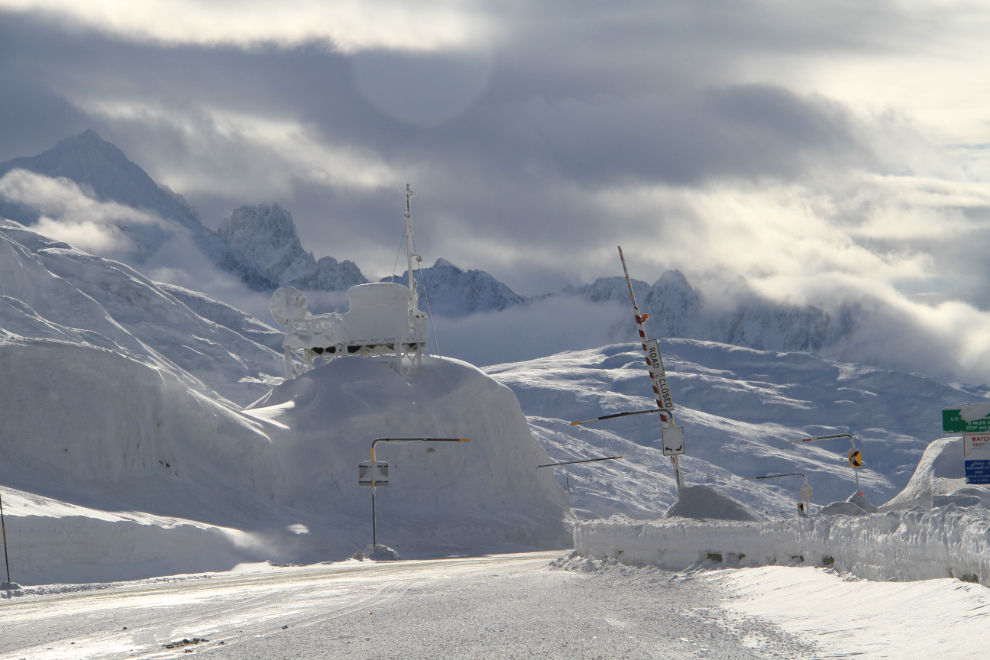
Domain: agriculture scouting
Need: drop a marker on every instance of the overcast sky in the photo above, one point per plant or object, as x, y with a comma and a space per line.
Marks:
818, 149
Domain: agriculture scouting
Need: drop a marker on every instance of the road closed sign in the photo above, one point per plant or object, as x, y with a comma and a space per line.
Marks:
976, 456
660, 383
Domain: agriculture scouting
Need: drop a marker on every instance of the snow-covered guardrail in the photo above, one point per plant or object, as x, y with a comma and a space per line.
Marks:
896, 545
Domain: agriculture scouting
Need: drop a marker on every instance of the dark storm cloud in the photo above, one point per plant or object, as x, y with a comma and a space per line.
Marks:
567, 100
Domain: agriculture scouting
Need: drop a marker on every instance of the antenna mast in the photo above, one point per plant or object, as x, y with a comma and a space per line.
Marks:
413, 284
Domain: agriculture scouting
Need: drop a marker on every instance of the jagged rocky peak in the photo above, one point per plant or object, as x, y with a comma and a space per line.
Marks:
606, 289
265, 236
673, 292
456, 292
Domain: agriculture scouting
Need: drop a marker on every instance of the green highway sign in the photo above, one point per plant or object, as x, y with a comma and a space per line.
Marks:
952, 422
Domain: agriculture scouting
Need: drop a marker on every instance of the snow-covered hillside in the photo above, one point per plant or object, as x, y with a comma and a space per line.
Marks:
53, 292
738, 406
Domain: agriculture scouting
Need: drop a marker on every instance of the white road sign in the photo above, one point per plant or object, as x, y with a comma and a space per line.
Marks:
373, 473
673, 440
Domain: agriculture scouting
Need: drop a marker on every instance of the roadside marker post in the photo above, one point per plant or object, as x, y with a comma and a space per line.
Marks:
375, 473
804, 506
855, 455
567, 477
8, 585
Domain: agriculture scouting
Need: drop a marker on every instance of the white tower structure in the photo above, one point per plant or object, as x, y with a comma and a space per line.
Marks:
383, 322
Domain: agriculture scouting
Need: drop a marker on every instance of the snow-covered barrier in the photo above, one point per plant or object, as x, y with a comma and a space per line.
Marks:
912, 544
86, 549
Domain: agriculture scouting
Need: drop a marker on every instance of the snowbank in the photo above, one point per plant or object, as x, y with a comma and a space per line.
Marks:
896, 545
906, 539
54, 542
702, 502
116, 470
939, 480
458, 495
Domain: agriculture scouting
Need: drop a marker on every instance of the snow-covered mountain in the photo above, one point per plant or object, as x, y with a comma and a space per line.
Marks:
265, 237
454, 292
105, 173
259, 245
677, 309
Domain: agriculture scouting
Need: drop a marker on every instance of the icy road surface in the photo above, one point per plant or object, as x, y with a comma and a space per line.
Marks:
503, 606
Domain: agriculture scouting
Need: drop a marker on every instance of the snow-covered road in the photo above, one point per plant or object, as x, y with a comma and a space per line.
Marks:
503, 606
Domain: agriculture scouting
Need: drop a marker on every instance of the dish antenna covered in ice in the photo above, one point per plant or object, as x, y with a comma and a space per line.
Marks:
288, 304
383, 322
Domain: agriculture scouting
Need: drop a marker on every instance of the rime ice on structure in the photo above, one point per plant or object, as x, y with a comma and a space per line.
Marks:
384, 322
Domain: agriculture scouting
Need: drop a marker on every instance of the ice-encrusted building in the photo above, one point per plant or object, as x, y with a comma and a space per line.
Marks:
383, 322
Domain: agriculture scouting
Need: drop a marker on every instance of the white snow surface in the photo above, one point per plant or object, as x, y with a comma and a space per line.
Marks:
457, 495
843, 617
702, 502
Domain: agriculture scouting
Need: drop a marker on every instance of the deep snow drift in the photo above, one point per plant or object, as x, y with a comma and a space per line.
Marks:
486, 491
120, 470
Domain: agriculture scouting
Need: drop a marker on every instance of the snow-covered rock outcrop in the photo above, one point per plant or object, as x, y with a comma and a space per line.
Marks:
265, 236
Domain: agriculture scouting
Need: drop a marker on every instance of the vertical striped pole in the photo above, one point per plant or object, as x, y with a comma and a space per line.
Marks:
666, 416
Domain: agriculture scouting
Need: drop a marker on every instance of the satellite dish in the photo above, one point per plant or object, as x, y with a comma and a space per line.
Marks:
288, 304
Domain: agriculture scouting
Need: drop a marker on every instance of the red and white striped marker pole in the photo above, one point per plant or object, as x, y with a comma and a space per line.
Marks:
667, 416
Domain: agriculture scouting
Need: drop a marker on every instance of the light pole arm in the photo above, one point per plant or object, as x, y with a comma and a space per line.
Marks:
375, 442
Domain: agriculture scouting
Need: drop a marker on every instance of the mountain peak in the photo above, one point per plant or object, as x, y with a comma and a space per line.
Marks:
265, 236
90, 135
443, 263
